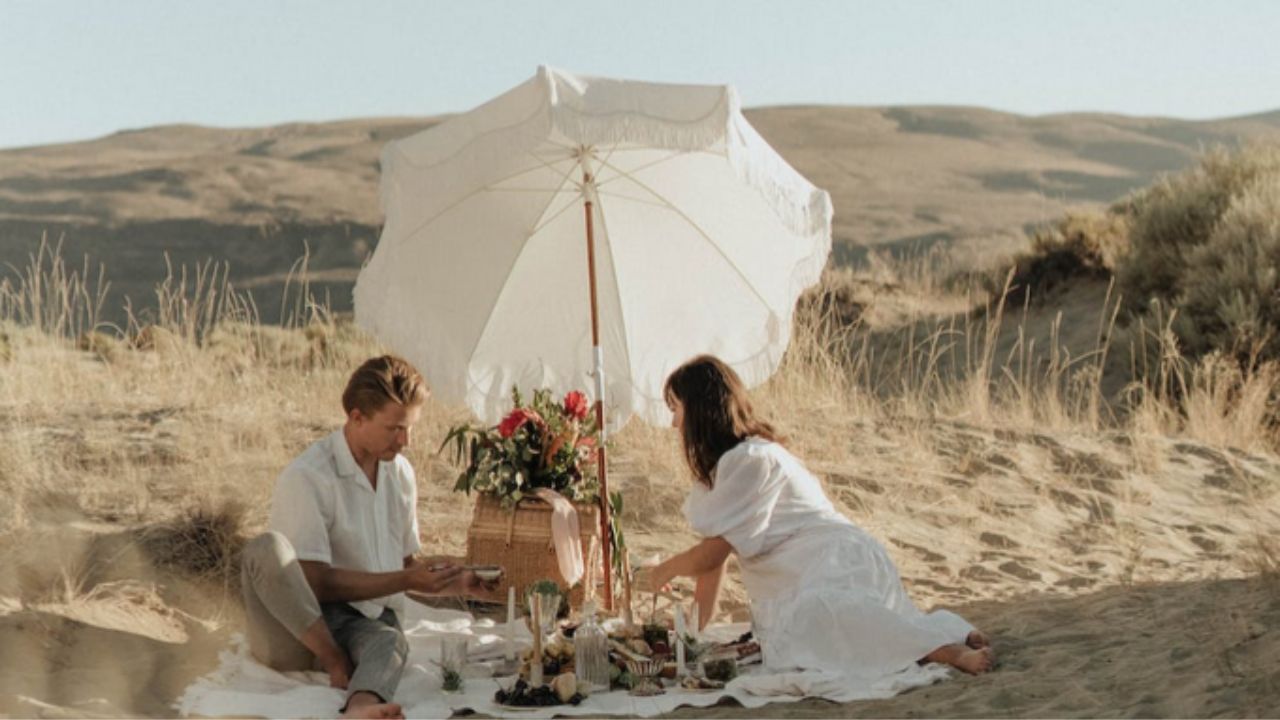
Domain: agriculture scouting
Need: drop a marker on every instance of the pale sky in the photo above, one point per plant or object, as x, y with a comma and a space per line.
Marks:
79, 69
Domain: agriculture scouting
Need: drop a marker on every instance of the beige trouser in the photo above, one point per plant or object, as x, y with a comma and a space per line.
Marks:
278, 603
280, 606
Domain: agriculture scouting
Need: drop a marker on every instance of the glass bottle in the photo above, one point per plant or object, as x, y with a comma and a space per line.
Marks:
591, 653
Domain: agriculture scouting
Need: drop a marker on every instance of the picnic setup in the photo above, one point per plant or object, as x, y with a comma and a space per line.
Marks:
547, 259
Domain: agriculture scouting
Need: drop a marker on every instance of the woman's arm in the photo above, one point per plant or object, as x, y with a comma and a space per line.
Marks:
707, 594
705, 557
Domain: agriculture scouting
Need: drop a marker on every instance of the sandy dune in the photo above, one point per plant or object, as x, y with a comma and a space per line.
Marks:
1108, 574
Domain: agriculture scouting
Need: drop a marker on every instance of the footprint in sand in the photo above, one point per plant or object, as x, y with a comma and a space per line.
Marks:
981, 574
1020, 571
996, 540
925, 554
1206, 544
1076, 582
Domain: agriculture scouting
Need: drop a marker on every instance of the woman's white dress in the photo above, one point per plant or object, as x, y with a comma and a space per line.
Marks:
825, 596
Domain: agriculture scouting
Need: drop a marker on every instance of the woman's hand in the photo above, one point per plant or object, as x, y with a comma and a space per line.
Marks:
653, 579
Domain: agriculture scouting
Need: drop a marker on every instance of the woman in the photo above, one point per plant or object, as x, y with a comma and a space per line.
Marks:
824, 594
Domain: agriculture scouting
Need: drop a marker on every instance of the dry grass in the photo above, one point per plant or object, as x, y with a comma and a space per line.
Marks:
965, 433
162, 425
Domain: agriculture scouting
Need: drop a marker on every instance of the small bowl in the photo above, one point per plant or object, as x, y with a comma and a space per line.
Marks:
487, 573
645, 672
647, 668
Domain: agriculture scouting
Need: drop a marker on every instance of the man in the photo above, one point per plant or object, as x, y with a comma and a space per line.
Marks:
325, 585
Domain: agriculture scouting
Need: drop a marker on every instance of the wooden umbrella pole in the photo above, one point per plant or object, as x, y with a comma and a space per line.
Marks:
605, 538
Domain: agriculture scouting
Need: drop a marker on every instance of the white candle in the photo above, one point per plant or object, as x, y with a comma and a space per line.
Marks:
535, 661
696, 617
511, 623
680, 641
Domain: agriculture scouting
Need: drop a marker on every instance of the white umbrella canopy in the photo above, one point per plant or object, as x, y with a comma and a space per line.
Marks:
704, 239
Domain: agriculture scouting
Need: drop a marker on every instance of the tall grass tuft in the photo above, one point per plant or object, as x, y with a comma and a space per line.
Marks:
203, 541
52, 298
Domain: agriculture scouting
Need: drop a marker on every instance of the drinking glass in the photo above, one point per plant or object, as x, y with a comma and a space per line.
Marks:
453, 659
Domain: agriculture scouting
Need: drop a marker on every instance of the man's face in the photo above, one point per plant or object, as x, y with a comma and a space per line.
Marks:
386, 432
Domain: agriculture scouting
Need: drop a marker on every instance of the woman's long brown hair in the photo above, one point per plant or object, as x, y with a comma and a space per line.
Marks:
717, 413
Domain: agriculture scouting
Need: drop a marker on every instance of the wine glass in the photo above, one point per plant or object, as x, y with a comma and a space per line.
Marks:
548, 605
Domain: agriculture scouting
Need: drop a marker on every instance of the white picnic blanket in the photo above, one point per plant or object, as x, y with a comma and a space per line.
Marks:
243, 687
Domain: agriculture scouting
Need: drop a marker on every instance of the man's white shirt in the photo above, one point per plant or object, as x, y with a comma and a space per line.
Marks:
326, 507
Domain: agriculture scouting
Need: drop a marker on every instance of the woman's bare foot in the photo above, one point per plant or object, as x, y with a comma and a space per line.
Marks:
377, 711
977, 640
974, 661
364, 704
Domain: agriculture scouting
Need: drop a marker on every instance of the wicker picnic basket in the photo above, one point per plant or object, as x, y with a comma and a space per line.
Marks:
520, 541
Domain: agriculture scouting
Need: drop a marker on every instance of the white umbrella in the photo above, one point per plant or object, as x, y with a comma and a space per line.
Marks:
579, 228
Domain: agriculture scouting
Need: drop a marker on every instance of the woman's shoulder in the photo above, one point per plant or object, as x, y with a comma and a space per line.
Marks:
751, 449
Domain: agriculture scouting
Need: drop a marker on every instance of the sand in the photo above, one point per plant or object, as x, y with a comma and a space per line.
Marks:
1112, 584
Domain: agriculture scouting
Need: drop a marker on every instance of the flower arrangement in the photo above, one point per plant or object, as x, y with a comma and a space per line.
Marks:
542, 444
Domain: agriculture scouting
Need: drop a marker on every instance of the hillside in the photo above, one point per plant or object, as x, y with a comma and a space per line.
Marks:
903, 178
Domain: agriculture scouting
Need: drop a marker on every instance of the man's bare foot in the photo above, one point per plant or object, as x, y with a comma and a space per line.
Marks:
964, 658
378, 711
977, 640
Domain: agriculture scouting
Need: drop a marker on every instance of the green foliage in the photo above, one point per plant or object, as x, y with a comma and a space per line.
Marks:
540, 445
1206, 245
552, 589
617, 541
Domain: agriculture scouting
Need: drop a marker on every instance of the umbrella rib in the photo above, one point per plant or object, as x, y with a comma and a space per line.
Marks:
720, 251
628, 198
514, 262
659, 161
529, 190
646, 166
486, 188
553, 217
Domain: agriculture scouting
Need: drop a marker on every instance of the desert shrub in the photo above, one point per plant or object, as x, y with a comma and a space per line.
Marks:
333, 343
1230, 298
160, 340
248, 344
1081, 245
831, 304
204, 541
1205, 244
105, 347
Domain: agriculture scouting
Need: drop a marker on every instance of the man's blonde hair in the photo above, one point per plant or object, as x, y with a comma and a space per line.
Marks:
382, 380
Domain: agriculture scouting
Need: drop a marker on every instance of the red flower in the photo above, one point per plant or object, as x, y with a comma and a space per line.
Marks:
514, 421
575, 405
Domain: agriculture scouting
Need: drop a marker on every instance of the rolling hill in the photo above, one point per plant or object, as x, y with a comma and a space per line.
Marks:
902, 179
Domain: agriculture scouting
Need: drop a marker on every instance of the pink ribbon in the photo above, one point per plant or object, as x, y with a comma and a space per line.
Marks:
565, 535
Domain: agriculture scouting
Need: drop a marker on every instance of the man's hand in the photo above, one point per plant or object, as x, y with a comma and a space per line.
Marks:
434, 560
433, 579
